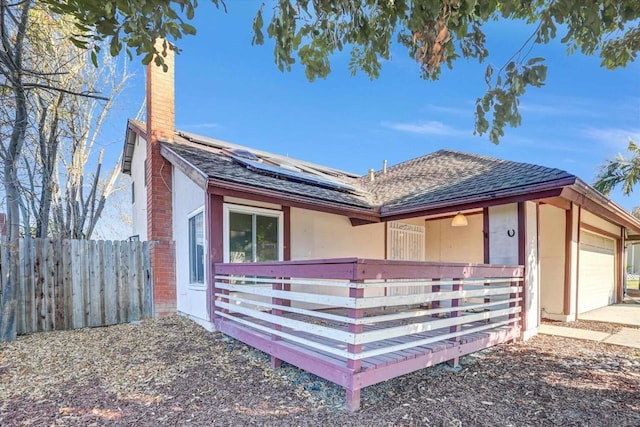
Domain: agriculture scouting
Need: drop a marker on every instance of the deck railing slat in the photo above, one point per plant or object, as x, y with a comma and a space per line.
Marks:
312, 328
290, 295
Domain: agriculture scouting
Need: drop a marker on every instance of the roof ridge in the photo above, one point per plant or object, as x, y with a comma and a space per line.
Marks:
477, 156
424, 156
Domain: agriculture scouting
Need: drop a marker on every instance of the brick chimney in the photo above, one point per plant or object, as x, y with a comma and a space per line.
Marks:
161, 127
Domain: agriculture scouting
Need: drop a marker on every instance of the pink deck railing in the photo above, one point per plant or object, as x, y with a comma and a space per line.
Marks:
357, 322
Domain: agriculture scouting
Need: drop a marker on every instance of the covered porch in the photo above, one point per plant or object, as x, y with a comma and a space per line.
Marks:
357, 322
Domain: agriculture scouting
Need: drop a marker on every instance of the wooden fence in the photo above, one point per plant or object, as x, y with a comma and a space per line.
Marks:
70, 284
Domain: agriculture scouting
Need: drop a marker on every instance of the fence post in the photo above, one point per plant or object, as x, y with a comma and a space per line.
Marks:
21, 287
278, 286
487, 300
455, 302
148, 281
352, 393
513, 317
212, 290
224, 298
435, 288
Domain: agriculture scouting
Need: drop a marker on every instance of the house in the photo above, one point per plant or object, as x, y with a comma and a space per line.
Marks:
207, 202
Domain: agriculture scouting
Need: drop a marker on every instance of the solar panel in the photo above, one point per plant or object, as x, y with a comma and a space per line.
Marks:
243, 154
293, 175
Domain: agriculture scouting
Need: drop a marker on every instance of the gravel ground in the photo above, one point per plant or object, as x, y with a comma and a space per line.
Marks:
172, 372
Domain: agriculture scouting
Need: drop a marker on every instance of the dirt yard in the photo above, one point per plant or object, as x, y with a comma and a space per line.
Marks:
172, 372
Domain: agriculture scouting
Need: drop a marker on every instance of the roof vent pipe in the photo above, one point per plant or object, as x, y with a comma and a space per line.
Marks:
371, 176
384, 167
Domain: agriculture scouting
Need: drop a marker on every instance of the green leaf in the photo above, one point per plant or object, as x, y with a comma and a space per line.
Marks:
146, 60
488, 74
188, 29
115, 45
258, 36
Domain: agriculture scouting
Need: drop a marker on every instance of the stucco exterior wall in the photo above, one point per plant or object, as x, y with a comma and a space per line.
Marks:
188, 198
503, 234
445, 243
552, 261
317, 235
139, 213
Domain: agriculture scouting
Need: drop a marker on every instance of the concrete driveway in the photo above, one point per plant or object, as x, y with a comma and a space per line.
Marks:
626, 314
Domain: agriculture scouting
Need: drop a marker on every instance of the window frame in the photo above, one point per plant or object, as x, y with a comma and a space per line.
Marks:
251, 210
190, 216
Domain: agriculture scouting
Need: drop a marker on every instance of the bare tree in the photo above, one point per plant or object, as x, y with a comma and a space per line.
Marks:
13, 30
50, 122
70, 200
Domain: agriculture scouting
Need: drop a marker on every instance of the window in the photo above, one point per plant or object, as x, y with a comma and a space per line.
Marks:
196, 248
252, 234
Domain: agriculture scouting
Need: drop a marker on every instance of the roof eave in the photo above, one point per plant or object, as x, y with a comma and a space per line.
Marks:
585, 195
132, 131
187, 168
511, 195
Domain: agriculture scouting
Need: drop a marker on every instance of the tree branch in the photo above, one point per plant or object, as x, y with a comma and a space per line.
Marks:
67, 91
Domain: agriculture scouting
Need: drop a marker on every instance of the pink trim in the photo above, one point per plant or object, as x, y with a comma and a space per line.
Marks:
534, 191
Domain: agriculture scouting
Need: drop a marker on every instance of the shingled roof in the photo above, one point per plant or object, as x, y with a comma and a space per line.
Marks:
214, 161
448, 175
440, 182
439, 177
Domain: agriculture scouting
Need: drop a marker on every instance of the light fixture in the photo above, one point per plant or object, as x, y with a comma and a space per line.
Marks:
459, 221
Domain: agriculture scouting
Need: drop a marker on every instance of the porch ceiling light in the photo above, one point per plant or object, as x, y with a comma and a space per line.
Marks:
459, 221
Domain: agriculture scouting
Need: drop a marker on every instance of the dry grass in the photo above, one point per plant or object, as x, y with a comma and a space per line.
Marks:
172, 372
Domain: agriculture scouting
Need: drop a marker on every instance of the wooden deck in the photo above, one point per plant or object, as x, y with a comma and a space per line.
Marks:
357, 332
374, 369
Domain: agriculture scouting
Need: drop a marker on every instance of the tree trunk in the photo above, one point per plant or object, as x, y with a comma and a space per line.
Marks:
10, 285
11, 159
49, 153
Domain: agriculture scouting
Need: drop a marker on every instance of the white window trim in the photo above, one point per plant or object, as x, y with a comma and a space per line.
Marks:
228, 208
190, 215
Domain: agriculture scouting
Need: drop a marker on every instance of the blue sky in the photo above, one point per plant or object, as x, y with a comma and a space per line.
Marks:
228, 89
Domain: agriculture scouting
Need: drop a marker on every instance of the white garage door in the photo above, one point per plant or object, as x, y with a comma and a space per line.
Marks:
596, 287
